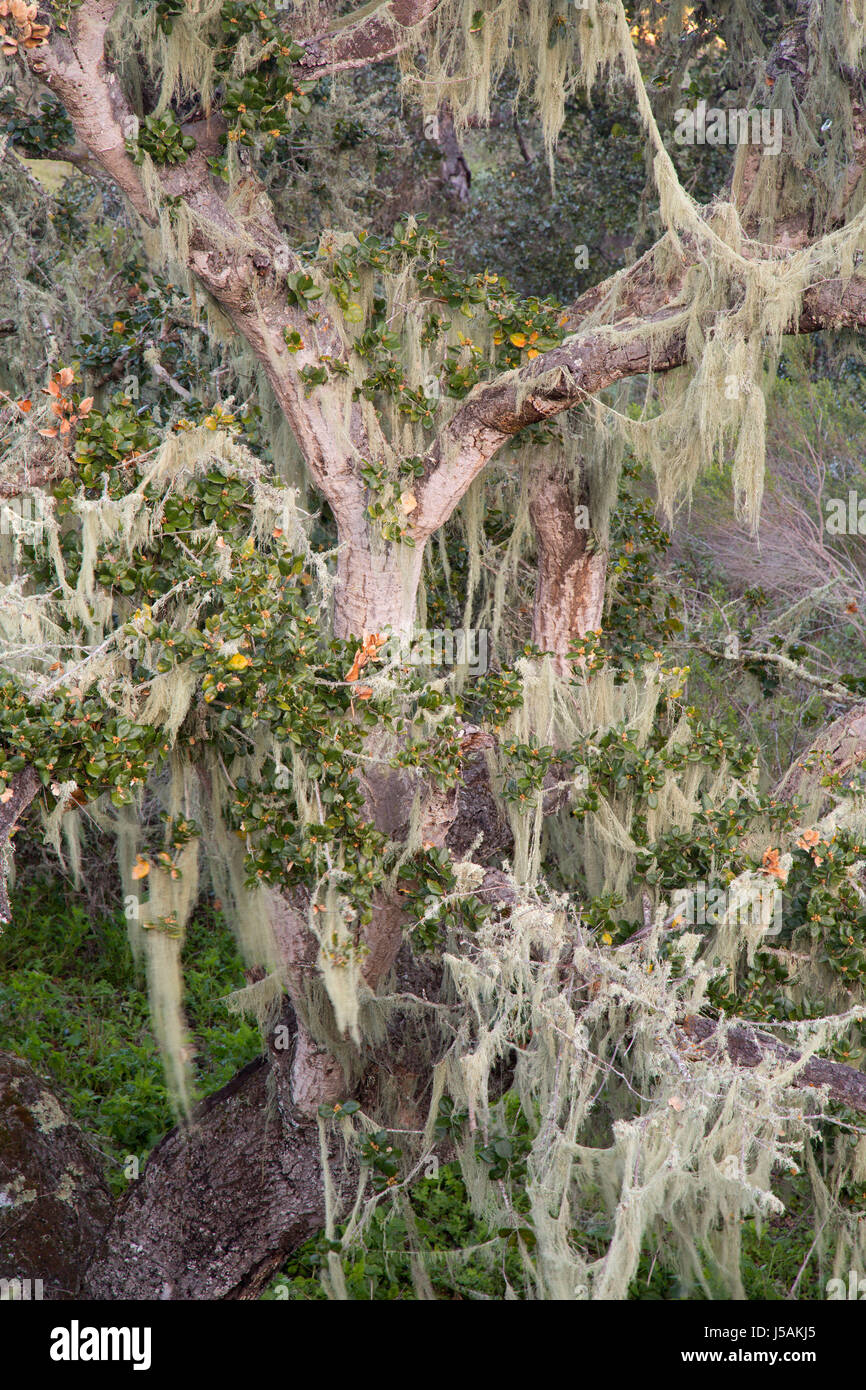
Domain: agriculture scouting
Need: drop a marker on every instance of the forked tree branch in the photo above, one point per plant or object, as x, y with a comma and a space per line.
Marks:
240, 255
568, 375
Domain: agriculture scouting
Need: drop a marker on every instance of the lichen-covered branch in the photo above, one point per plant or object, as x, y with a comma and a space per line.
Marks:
367, 35
568, 375
749, 1047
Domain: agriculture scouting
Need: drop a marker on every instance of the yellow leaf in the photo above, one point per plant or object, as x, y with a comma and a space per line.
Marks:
518, 339
533, 352
141, 868
607, 938
239, 662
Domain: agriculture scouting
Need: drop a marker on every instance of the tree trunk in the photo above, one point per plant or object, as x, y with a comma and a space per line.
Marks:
839, 751
54, 1204
220, 1203
569, 586
377, 585
456, 174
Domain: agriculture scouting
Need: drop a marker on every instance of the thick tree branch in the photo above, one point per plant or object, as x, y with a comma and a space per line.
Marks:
73, 66
748, 1047
236, 249
566, 376
368, 35
220, 1203
838, 751
570, 580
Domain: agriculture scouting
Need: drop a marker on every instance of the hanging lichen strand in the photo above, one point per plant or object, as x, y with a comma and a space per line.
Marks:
141, 678
738, 298
622, 1129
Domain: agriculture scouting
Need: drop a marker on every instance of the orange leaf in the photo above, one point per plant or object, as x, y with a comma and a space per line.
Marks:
52, 389
66, 376
25, 406
49, 434
771, 864
86, 406
364, 692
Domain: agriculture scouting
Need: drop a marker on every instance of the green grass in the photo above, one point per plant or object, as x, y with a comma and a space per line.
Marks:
73, 1004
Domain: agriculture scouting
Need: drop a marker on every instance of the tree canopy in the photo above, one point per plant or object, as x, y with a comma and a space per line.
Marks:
470, 621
